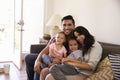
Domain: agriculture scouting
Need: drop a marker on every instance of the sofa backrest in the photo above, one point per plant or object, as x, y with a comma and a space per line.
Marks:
109, 48
36, 48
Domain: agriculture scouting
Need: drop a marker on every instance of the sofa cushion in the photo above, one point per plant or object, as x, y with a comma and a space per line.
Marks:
115, 63
103, 71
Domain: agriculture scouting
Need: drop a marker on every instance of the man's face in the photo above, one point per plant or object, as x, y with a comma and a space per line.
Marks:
67, 26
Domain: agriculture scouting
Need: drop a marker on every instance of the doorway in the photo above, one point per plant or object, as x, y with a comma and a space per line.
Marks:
6, 30
10, 51
12, 43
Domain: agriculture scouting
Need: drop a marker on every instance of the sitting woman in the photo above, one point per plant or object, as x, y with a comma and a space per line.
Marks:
92, 52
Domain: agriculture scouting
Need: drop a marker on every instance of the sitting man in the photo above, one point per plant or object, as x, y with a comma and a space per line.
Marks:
34, 61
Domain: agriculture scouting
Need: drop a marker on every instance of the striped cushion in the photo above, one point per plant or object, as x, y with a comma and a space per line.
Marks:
115, 63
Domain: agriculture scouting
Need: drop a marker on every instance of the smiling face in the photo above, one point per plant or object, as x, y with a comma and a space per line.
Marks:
60, 38
68, 26
73, 45
79, 37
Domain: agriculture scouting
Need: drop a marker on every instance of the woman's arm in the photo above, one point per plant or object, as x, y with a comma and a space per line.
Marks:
38, 62
91, 58
71, 60
76, 63
80, 65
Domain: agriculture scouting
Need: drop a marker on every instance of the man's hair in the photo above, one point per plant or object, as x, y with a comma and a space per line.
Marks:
68, 17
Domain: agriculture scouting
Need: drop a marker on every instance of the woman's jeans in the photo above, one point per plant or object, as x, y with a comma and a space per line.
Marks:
60, 71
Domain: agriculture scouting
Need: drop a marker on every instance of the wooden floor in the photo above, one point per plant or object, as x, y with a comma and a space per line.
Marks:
14, 74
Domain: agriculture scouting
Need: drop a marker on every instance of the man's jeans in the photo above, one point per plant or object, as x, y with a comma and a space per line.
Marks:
29, 61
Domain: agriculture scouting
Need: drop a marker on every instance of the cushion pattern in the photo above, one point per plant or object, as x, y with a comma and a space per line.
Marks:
115, 63
103, 71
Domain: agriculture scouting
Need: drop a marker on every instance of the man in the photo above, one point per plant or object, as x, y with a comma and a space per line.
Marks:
34, 62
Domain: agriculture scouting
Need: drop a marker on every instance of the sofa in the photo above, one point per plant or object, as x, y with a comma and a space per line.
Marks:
108, 67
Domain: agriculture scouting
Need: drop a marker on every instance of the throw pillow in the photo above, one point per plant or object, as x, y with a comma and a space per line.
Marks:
103, 71
115, 63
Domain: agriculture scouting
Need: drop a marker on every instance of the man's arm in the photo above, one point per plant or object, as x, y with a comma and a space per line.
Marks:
38, 62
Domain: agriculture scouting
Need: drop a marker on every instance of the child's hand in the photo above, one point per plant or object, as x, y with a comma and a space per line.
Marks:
57, 61
64, 60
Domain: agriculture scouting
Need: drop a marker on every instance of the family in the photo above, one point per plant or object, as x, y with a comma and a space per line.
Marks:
70, 52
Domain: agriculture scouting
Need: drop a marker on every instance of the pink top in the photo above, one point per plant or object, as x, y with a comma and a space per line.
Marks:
60, 52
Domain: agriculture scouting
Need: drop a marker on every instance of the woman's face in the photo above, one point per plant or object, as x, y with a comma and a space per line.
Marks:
79, 37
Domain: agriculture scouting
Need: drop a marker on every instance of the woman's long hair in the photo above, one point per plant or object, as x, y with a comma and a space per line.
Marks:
89, 39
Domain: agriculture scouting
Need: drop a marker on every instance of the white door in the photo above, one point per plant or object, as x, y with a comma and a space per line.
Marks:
18, 29
10, 31
33, 11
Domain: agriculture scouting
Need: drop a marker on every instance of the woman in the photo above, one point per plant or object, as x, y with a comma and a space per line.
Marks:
92, 52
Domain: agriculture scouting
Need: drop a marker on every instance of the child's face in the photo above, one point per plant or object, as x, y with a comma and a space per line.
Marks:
73, 45
60, 38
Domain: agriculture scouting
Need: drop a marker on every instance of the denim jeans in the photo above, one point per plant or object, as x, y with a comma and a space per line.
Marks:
29, 61
60, 71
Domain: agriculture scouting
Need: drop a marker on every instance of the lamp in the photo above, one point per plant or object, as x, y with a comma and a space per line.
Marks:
53, 24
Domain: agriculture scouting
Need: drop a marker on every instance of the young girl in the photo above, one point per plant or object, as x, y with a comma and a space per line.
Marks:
74, 50
57, 51
59, 71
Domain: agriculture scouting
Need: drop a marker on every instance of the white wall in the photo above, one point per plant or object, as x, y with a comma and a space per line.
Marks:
100, 17
49, 5
33, 23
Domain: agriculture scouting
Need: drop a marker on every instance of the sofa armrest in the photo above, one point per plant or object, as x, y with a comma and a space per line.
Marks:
37, 48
